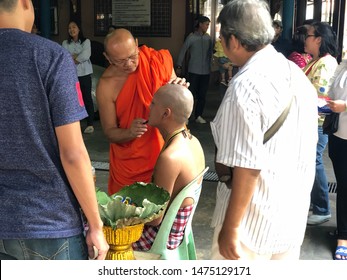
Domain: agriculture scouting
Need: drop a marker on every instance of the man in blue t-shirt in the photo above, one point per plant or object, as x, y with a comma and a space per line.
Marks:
45, 170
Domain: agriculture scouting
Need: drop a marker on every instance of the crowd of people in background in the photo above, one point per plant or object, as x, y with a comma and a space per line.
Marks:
314, 49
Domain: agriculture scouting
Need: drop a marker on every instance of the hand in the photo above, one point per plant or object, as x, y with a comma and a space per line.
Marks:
337, 106
97, 244
180, 81
226, 65
138, 127
229, 243
74, 57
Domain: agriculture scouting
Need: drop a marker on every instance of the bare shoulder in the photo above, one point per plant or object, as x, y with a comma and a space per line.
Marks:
184, 151
112, 74
169, 156
110, 83
195, 146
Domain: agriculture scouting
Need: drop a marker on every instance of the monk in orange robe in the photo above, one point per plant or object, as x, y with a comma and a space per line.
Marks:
124, 93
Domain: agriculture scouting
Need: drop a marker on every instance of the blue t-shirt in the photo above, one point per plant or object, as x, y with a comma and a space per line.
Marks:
39, 91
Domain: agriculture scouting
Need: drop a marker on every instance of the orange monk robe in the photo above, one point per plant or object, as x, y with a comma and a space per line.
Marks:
134, 161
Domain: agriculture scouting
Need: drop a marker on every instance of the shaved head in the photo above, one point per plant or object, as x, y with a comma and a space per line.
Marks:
117, 39
121, 50
178, 98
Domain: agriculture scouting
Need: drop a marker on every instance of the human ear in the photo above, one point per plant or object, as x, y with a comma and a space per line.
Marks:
105, 55
167, 113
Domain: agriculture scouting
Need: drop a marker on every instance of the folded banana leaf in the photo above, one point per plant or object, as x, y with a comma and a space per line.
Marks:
133, 204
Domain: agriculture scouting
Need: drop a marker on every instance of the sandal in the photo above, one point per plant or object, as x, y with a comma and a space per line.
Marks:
342, 252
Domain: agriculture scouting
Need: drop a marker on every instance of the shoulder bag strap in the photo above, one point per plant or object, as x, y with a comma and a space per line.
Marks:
278, 123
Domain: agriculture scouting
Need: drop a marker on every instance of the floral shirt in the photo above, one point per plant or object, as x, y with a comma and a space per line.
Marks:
321, 73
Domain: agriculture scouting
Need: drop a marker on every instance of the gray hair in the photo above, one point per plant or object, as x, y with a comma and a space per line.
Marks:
249, 21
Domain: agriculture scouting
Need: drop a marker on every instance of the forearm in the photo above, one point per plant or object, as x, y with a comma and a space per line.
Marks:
86, 52
119, 135
77, 167
182, 52
338, 106
244, 183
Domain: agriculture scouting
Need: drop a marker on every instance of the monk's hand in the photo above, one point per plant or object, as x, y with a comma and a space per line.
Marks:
180, 81
138, 127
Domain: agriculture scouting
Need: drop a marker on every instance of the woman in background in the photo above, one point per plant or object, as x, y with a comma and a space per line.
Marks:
80, 49
298, 55
320, 42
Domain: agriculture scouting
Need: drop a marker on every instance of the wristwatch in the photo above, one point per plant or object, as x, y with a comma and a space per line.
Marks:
179, 67
224, 178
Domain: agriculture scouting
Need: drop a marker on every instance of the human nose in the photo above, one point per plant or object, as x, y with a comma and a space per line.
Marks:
126, 61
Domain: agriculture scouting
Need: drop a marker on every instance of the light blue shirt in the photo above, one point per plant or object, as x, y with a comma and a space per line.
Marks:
200, 50
84, 67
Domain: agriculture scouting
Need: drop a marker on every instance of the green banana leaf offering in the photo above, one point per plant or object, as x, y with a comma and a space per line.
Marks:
133, 204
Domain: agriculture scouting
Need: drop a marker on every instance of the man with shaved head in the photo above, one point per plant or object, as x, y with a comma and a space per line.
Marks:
124, 93
181, 158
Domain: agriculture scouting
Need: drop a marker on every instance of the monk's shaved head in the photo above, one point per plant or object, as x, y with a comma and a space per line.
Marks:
121, 50
178, 98
119, 38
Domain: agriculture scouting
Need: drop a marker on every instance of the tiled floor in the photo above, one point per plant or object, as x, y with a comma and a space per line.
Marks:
318, 244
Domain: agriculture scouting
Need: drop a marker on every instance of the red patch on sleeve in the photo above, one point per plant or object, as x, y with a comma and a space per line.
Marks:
79, 94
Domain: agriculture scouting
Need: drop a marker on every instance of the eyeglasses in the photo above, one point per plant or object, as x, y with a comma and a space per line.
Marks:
309, 35
122, 62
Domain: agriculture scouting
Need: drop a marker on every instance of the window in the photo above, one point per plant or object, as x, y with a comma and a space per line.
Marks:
211, 9
160, 20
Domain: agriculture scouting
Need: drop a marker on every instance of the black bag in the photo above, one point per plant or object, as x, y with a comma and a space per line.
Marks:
331, 123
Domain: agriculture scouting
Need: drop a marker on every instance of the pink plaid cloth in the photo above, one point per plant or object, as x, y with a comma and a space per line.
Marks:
176, 234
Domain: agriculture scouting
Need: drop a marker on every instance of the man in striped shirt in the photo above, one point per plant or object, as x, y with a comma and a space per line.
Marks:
262, 214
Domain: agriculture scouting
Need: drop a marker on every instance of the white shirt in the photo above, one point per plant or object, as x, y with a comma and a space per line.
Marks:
84, 67
338, 91
275, 220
